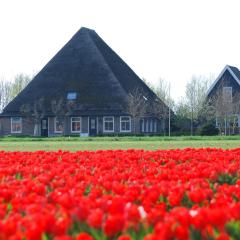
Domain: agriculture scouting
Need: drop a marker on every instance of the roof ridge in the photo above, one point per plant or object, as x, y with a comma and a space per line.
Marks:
106, 60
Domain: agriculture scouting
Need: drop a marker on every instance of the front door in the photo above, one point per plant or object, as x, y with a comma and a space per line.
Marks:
44, 127
92, 126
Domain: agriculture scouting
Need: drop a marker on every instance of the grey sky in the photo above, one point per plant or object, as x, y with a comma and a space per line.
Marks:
170, 39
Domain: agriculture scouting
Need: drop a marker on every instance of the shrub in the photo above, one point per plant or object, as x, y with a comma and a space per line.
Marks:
209, 129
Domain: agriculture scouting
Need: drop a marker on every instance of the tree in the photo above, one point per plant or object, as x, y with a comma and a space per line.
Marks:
224, 108
136, 105
163, 92
163, 106
20, 82
195, 98
63, 109
35, 114
5, 92
10, 89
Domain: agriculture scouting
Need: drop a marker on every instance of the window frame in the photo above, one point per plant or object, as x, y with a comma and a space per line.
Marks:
20, 131
130, 124
55, 130
224, 95
108, 131
80, 120
71, 96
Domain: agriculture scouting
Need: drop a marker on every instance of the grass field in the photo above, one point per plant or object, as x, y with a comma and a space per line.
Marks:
149, 143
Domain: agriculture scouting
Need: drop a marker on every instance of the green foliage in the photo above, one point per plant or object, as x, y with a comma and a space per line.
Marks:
233, 229
209, 129
180, 125
18, 176
227, 178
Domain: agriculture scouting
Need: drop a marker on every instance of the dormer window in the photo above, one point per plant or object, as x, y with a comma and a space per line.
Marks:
72, 96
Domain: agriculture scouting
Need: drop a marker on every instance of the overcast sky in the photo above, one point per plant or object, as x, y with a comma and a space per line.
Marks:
168, 39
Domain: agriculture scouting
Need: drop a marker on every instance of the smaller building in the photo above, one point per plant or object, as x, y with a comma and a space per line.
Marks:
224, 97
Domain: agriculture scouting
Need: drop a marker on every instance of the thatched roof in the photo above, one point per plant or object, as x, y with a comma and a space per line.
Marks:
86, 65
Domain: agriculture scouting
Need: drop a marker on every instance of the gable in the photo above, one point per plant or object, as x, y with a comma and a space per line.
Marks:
230, 76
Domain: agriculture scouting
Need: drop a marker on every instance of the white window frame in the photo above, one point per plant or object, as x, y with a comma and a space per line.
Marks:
80, 120
104, 130
130, 125
20, 125
225, 100
55, 130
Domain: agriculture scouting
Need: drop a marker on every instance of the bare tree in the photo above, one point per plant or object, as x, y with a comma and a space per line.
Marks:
224, 108
10, 89
63, 109
136, 106
34, 114
161, 108
162, 90
195, 99
5, 93
20, 82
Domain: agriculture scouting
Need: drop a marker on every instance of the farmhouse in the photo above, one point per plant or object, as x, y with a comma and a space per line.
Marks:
87, 89
224, 96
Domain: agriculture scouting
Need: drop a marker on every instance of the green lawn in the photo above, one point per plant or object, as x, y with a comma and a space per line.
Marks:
150, 143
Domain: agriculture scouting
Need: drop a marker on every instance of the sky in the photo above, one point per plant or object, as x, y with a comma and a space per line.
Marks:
168, 39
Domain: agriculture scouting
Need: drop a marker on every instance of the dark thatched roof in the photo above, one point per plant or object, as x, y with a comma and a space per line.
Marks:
85, 65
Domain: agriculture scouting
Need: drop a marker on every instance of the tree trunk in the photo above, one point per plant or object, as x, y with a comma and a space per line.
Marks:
37, 131
225, 125
135, 121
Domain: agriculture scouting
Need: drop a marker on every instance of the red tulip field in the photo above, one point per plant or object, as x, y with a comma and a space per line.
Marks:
120, 195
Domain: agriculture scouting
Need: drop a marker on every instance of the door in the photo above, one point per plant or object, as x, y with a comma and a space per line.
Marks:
44, 127
92, 126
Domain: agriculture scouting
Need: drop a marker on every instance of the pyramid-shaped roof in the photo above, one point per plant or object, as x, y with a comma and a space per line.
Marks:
87, 66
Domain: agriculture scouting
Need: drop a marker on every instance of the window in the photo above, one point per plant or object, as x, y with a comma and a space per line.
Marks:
71, 96
227, 94
146, 125
16, 125
125, 124
93, 123
76, 124
155, 126
142, 125
108, 124
58, 125
149, 125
